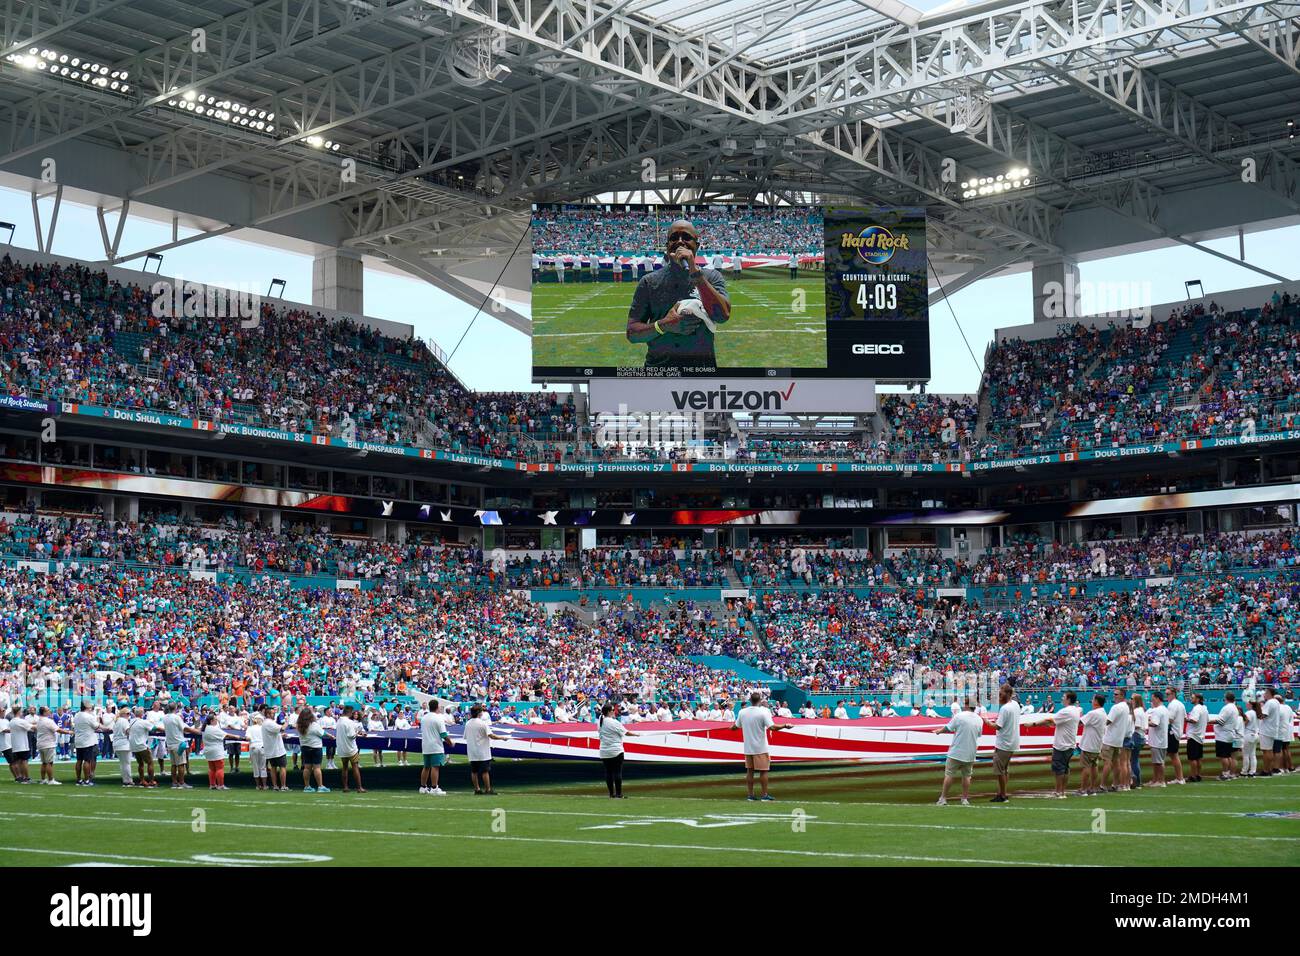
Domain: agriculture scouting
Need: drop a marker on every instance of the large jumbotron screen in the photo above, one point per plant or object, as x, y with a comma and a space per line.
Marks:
623, 291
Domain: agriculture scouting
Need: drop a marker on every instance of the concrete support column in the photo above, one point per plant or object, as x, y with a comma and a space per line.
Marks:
337, 281
1056, 289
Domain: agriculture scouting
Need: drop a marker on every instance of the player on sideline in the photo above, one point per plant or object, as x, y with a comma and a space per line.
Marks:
433, 748
966, 727
1094, 725
1177, 727
1007, 740
754, 722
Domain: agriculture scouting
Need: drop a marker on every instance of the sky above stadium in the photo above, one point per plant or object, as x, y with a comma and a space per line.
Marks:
494, 357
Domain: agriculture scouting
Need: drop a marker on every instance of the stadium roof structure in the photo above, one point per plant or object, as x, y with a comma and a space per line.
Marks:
1112, 123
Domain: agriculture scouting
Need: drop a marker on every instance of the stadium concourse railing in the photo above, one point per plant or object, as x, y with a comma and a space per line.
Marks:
562, 458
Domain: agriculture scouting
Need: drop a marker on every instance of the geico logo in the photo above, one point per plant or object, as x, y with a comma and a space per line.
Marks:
894, 348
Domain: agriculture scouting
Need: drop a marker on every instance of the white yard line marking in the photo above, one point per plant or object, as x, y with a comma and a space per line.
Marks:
502, 837
106, 856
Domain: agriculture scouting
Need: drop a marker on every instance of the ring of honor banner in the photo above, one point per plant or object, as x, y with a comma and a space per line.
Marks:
877, 293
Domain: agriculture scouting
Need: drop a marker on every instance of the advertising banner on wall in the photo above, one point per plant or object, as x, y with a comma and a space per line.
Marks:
771, 396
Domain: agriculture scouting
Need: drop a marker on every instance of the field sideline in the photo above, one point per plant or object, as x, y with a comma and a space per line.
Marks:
584, 324
556, 813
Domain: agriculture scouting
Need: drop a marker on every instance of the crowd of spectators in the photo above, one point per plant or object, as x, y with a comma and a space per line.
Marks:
1220, 630
69, 333
738, 230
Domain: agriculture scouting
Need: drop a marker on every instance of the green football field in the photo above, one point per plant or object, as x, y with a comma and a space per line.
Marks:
556, 813
774, 323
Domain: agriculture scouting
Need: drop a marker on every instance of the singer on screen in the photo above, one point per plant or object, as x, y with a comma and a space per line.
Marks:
677, 309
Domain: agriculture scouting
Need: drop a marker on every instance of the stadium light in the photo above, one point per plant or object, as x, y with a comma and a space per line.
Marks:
10, 226
1017, 177
155, 258
222, 109
1187, 286
71, 67
271, 289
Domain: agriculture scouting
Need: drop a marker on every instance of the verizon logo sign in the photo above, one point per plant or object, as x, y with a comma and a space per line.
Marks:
723, 399
700, 396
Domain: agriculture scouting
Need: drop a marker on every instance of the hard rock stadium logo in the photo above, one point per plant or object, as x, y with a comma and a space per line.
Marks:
875, 245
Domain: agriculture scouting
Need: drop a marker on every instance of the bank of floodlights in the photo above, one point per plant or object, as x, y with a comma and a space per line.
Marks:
1018, 177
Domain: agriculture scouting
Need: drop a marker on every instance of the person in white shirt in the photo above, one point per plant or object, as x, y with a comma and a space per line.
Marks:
138, 732
1137, 740
612, 733
1094, 725
754, 722
20, 727
257, 752
273, 746
47, 742
841, 712
783, 710
1226, 732
1251, 715
663, 715
348, 730
966, 727
1064, 739
1158, 738
1007, 740
1197, 720
1177, 728
230, 721
1270, 711
214, 752
329, 724
122, 745
376, 726
434, 742
174, 731
157, 744
86, 728
1286, 731
684, 712
400, 722
701, 713
562, 715
1114, 757
865, 710
311, 737
888, 711
5, 752
478, 744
